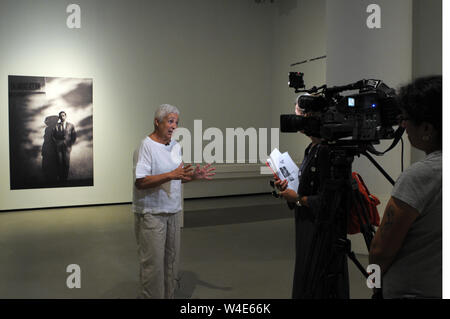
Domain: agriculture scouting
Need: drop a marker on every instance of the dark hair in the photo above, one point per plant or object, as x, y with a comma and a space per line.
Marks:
422, 101
59, 114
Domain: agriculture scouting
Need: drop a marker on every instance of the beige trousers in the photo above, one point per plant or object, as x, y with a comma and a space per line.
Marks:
158, 240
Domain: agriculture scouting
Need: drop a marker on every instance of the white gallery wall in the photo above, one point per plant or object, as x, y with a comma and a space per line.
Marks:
210, 58
224, 62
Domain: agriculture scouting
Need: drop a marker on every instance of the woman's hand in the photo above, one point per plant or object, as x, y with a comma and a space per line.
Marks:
203, 172
287, 193
290, 195
281, 185
182, 172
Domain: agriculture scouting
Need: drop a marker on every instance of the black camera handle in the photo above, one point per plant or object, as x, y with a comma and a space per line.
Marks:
397, 137
330, 91
312, 90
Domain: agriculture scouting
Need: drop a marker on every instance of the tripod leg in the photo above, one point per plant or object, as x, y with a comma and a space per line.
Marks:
353, 258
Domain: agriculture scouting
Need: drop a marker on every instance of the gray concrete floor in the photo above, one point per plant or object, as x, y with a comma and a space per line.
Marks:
245, 251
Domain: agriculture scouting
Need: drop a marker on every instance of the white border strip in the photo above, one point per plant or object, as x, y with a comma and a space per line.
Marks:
446, 154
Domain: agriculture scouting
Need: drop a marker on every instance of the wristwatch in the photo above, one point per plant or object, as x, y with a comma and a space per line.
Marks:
298, 202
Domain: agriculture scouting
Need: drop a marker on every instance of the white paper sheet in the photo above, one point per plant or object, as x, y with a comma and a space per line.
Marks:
284, 167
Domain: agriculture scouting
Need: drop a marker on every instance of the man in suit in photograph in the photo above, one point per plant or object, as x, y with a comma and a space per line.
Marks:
64, 136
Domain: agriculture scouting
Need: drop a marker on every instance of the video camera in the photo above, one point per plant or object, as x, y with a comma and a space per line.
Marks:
367, 116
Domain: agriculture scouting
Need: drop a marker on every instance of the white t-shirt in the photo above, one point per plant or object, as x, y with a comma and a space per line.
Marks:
154, 158
416, 271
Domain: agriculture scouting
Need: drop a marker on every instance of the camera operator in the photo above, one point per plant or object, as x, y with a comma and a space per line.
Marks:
408, 244
314, 171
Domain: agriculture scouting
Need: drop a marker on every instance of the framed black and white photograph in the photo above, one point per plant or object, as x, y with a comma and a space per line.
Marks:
50, 132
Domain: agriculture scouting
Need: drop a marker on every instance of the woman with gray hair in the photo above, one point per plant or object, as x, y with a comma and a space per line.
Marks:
159, 172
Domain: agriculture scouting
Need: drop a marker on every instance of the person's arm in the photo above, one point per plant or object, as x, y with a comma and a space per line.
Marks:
152, 181
397, 220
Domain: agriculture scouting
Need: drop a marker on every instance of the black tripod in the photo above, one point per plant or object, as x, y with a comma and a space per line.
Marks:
330, 246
